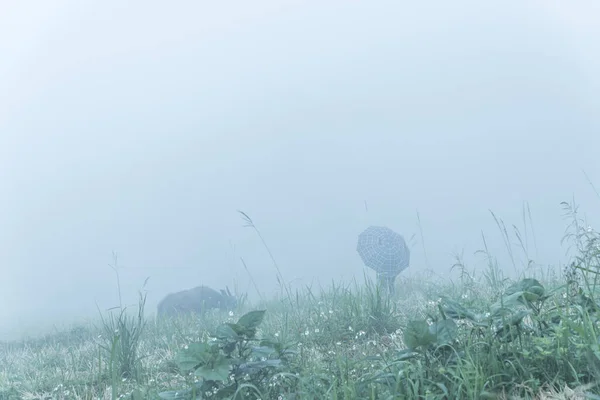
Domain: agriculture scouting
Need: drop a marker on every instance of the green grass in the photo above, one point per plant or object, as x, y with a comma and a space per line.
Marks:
485, 337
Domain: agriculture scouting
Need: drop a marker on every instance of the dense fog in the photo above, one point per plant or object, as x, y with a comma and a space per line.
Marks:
141, 127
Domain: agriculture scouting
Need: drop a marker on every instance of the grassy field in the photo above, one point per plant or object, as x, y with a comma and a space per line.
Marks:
483, 337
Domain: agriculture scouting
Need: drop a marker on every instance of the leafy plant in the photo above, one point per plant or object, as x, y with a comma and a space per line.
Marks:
224, 366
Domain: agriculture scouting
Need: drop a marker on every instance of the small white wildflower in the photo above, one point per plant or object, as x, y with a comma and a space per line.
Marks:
317, 330
306, 332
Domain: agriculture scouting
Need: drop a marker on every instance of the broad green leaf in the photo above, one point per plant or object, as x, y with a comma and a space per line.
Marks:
217, 371
456, 310
507, 329
229, 348
531, 289
417, 334
445, 331
526, 285
192, 356
517, 317
227, 331
251, 320
506, 305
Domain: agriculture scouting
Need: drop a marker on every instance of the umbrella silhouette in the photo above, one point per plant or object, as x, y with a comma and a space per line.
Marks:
384, 251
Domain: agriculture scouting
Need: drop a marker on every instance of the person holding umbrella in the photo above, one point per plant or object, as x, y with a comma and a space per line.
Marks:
385, 252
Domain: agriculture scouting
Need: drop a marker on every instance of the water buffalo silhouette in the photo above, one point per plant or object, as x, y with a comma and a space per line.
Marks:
196, 300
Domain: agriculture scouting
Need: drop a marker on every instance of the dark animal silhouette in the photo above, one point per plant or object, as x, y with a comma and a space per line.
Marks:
196, 300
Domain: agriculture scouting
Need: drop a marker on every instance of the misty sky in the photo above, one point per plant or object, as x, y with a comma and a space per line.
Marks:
141, 127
